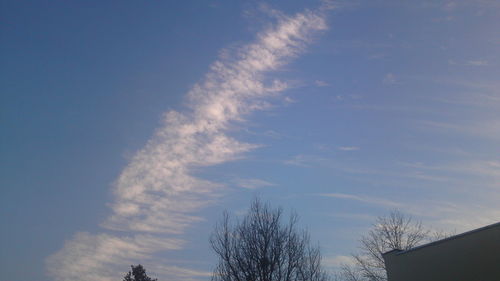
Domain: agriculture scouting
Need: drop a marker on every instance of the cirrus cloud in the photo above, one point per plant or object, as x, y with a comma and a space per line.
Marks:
156, 195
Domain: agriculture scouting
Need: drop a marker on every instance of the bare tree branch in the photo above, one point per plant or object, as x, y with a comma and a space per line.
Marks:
394, 231
262, 248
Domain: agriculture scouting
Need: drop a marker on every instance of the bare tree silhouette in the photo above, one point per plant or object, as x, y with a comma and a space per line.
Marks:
263, 248
394, 231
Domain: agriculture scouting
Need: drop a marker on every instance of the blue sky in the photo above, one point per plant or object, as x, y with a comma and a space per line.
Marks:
127, 128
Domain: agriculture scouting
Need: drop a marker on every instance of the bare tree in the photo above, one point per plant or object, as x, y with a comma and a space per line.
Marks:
394, 231
262, 248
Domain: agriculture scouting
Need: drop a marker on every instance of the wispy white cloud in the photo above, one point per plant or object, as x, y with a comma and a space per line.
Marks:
353, 216
472, 3
437, 214
321, 83
183, 274
231, 90
479, 62
98, 257
482, 93
304, 160
389, 79
485, 100
472, 168
488, 129
450, 5
156, 193
377, 56
473, 183
289, 100
348, 148
253, 183
336, 262
364, 199
457, 216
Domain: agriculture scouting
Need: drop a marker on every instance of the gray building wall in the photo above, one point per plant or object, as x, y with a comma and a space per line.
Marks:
471, 256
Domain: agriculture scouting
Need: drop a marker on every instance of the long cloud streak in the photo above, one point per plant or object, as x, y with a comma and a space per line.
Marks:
156, 195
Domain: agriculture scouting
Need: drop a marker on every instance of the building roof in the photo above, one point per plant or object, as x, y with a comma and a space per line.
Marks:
472, 255
402, 252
